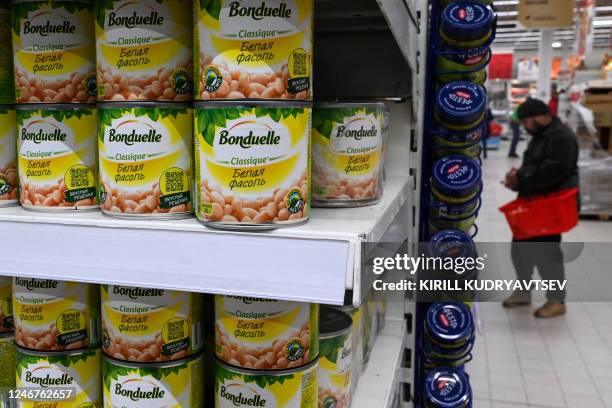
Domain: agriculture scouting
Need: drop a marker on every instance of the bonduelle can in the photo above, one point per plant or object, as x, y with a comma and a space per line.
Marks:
294, 388
358, 344
146, 159
447, 387
7, 81
335, 361
9, 179
253, 49
56, 147
347, 147
6, 305
174, 384
265, 334
150, 325
460, 105
456, 186
466, 25
144, 50
252, 164
52, 315
8, 362
54, 52
75, 371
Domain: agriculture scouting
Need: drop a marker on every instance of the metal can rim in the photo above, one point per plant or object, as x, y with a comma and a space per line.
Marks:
348, 104
346, 328
275, 373
161, 364
284, 103
54, 1
49, 353
54, 106
7, 335
143, 104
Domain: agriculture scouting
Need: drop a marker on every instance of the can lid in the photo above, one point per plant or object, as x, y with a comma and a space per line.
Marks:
333, 321
447, 387
449, 322
456, 175
460, 103
451, 243
467, 21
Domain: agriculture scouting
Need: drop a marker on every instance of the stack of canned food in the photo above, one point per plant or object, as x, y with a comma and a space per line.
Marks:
240, 157
118, 346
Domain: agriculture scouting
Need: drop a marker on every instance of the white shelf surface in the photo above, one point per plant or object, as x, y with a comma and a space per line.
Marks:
315, 262
380, 380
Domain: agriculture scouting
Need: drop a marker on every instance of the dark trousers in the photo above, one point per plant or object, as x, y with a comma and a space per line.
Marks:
516, 136
545, 254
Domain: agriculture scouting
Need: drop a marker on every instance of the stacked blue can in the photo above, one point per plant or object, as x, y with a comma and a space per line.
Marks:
461, 44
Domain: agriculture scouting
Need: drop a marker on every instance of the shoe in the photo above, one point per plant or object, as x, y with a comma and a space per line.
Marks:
551, 309
513, 156
517, 299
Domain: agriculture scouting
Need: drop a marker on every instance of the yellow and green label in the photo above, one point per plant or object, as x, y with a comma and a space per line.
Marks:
7, 362
335, 368
234, 388
7, 82
68, 311
57, 150
172, 386
52, 39
347, 149
137, 315
78, 372
252, 154
143, 149
8, 155
253, 37
6, 304
137, 39
258, 324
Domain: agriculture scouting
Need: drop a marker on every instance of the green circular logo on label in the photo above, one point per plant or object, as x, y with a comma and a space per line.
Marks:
90, 84
212, 78
294, 200
294, 349
330, 402
180, 82
4, 186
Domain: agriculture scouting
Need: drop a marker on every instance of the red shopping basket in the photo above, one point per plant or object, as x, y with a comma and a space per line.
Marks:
538, 216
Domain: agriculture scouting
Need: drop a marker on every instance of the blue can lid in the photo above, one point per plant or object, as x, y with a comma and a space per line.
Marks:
467, 21
447, 387
456, 176
451, 243
461, 103
469, 136
449, 322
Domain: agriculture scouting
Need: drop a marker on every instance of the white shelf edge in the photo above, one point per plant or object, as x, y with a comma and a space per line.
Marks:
379, 382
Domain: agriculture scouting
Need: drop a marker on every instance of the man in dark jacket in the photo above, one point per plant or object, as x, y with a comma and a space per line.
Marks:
550, 164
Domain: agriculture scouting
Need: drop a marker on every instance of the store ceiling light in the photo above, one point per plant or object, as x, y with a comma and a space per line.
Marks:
557, 44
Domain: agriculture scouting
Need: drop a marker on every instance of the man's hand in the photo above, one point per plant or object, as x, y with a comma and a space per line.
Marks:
511, 181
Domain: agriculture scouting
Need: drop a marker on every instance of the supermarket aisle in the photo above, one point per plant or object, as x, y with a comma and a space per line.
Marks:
523, 362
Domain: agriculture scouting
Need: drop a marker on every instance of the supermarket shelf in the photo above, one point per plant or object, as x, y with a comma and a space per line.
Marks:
314, 263
379, 385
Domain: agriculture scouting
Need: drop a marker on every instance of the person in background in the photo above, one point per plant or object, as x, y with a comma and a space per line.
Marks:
553, 104
550, 164
515, 126
489, 118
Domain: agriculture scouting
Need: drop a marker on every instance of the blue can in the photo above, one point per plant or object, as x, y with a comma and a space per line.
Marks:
460, 105
447, 387
451, 243
449, 324
456, 186
466, 24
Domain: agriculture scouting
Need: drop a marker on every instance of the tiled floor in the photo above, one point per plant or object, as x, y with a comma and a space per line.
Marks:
520, 361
